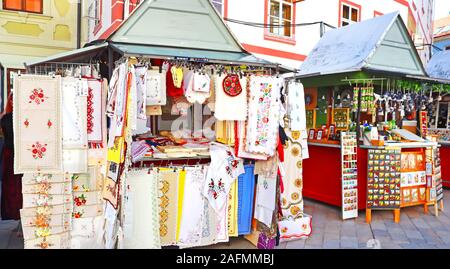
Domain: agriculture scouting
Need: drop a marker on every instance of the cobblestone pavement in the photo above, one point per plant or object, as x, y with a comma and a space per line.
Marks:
415, 230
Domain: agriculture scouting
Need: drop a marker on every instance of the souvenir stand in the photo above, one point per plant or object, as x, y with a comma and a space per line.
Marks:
198, 140
367, 73
439, 68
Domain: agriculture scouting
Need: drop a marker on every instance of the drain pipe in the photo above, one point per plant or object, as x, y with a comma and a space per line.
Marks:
79, 10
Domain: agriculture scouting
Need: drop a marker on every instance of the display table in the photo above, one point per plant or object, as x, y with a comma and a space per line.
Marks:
322, 174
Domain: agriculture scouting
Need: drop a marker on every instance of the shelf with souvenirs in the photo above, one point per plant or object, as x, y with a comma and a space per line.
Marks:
385, 111
195, 154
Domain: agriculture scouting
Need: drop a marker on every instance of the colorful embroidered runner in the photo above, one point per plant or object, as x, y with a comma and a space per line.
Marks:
37, 124
95, 111
263, 114
168, 201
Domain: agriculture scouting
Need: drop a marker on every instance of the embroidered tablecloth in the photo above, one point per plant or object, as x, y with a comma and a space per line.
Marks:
37, 124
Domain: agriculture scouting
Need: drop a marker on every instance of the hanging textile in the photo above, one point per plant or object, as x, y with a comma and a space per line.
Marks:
267, 232
232, 210
225, 132
141, 92
263, 117
296, 106
246, 192
191, 227
156, 88
265, 199
55, 241
86, 233
190, 81
240, 131
95, 111
181, 190
224, 169
231, 98
168, 202
141, 221
291, 197
174, 81
74, 113
37, 124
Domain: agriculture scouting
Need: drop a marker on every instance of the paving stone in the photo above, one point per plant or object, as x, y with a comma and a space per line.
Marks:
379, 233
296, 244
413, 234
331, 244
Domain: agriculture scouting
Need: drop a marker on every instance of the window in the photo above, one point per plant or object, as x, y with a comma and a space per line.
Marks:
33, 6
95, 15
350, 13
281, 13
218, 5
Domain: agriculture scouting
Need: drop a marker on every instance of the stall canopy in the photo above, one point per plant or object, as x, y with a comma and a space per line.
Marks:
378, 44
439, 65
170, 29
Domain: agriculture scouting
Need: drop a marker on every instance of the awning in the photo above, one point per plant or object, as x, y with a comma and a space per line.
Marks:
222, 57
79, 55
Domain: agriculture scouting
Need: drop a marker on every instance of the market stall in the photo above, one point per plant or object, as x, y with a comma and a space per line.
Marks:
439, 68
171, 136
365, 102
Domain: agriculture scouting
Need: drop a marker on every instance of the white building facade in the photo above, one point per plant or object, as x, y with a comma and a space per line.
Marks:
280, 30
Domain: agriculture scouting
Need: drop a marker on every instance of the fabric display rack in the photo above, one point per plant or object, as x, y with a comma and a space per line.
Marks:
70, 169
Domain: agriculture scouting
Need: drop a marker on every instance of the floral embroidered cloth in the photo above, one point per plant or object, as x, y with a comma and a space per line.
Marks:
230, 106
55, 241
141, 220
263, 114
224, 169
240, 131
37, 124
295, 229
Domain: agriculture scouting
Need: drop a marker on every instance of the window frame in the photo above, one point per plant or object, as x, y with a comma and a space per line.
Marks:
24, 5
341, 11
377, 13
276, 37
98, 11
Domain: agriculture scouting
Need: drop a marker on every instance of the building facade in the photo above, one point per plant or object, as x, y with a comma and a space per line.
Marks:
31, 29
284, 31
441, 38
